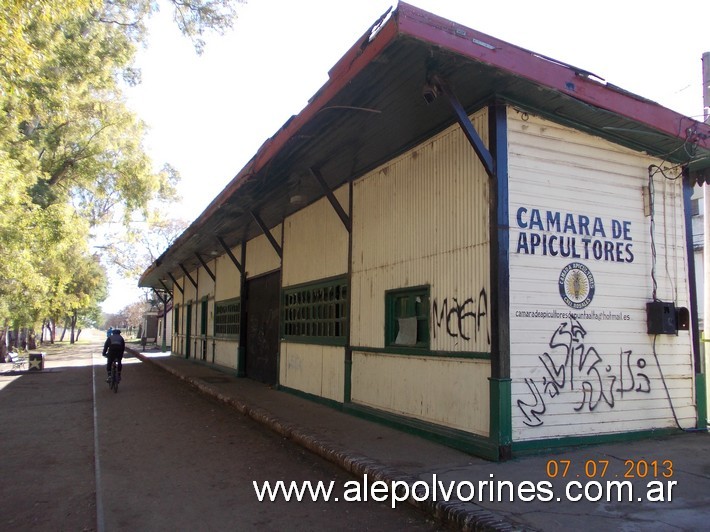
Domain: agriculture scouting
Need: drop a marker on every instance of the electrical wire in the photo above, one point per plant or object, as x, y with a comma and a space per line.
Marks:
652, 170
652, 230
668, 393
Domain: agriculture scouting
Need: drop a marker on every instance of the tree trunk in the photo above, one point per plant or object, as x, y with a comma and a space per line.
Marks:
64, 330
78, 333
31, 339
3, 346
12, 335
53, 335
72, 338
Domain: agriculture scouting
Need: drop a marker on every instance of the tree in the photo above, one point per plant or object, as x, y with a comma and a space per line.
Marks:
71, 154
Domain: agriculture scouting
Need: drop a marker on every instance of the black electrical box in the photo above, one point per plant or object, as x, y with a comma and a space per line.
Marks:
682, 318
661, 318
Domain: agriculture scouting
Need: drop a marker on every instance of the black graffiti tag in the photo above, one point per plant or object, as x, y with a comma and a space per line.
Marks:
570, 365
455, 316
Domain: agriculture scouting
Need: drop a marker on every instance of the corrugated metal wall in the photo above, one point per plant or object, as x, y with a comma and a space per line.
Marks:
315, 247
315, 242
422, 219
314, 369
444, 391
228, 276
261, 256
595, 373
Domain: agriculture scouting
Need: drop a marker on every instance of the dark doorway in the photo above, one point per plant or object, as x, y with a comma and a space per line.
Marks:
262, 338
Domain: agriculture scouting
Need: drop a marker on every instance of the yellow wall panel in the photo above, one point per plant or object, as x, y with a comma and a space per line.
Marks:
314, 369
315, 242
422, 219
449, 392
261, 256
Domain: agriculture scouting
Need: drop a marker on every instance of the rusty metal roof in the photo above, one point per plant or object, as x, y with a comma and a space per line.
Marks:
372, 108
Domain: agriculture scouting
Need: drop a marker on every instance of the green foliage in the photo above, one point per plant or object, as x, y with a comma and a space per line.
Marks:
71, 153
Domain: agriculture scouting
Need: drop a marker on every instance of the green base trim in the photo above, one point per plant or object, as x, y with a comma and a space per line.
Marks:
422, 352
458, 439
701, 400
541, 446
311, 397
500, 413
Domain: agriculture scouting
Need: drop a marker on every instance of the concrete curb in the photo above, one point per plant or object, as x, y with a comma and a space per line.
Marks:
453, 513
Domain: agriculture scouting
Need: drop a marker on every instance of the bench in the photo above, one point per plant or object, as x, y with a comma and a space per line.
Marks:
18, 362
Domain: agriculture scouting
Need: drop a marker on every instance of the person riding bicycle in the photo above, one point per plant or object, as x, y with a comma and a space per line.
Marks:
114, 347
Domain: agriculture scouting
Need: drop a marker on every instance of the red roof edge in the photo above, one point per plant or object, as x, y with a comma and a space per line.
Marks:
566, 79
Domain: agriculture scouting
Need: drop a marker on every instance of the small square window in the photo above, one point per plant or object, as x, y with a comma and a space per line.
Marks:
407, 317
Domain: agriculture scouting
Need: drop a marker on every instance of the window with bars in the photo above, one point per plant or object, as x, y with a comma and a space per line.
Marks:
407, 317
227, 317
316, 312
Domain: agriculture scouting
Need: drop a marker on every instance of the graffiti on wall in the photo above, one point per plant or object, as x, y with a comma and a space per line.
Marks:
465, 320
575, 367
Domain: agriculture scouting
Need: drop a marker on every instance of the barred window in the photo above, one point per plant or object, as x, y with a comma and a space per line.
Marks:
227, 316
316, 313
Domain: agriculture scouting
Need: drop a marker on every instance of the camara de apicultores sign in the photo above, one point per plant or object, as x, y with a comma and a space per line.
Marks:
573, 236
578, 237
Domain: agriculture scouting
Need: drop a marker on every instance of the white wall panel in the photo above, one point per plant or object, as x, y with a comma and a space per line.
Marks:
595, 372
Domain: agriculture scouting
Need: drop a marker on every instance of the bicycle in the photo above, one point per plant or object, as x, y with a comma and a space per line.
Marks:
113, 379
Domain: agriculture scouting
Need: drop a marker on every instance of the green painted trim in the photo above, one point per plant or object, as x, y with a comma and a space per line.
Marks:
335, 341
701, 400
422, 352
464, 441
501, 421
311, 397
411, 293
299, 311
319, 283
540, 446
221, 310
348, 384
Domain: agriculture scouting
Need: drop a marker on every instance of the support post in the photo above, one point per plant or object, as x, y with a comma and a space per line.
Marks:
500, 382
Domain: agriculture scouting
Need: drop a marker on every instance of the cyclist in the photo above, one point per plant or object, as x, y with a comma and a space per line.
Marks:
114, 347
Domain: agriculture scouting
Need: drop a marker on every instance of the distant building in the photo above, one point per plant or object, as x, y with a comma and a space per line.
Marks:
463, 238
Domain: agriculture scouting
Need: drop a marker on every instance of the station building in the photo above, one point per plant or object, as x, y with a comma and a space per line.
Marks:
461, 238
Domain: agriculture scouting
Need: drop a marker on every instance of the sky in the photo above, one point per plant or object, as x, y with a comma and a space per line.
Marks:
208, 115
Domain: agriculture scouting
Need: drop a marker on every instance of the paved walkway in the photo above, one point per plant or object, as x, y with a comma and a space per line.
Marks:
670, 476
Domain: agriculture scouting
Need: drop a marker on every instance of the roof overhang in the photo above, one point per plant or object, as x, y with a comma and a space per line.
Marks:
373, 108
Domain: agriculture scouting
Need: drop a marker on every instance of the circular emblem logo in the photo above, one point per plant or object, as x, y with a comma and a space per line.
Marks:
576, 285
